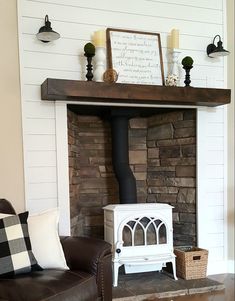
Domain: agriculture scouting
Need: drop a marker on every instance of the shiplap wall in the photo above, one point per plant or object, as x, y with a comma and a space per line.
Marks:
198, 21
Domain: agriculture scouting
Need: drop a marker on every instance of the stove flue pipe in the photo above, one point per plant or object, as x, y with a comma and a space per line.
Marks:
120, 157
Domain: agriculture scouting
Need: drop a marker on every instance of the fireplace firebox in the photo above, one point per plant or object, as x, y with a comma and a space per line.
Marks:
162, 157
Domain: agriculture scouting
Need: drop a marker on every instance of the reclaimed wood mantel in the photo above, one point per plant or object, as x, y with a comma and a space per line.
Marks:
115, 93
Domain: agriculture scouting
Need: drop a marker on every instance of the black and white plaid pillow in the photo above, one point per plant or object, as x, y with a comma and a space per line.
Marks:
16, 256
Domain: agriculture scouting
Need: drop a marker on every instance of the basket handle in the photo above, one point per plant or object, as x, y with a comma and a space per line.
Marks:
196, 257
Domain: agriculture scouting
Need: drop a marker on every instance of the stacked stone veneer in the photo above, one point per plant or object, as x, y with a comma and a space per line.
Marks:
171, 176
162, 153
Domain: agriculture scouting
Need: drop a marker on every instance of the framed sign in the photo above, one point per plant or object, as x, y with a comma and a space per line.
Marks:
136, 56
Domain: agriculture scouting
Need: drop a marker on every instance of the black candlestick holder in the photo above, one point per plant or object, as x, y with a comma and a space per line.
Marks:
187, 75
89, 66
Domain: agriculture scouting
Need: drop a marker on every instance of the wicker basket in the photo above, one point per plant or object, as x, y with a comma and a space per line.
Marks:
191, 262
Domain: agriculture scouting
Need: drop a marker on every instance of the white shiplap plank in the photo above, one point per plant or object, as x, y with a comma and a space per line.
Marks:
215, 143
42, 109
216, 253
215, 185
157, 23
215, 129
210, 4
215, 157
40, 142
50, 61
41, 205
216, 116
200, 71
214, 198
215, 213
40, 126
41, 158
138, 8
37, 76
42, 175
215, 240
39, 191
31, 92
215, 226
220, 84
215, 171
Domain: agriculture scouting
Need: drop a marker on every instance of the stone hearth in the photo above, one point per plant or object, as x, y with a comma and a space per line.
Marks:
154, 286
162, 152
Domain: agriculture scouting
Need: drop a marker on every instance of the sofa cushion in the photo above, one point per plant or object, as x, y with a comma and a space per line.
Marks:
50, 285
46, 246
16, 256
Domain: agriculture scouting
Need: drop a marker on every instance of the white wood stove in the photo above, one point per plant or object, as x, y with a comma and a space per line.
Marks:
141, 236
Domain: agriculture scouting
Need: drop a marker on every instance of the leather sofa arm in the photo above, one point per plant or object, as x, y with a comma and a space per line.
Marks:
6, 207
93, 256
83, 253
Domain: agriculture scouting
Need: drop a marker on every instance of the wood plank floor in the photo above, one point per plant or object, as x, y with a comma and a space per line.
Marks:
225, 295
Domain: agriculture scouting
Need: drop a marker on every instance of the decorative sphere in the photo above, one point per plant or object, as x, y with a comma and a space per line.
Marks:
110, 76
187, 61
89, 49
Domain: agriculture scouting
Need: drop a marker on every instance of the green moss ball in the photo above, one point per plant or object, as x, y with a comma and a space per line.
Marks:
187, 61
89, 49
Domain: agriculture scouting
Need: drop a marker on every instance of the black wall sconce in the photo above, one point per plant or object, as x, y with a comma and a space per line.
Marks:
215, 51
46, 34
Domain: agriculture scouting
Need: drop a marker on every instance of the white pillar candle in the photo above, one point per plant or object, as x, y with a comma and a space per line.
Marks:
99, 38
100, 63
175, 38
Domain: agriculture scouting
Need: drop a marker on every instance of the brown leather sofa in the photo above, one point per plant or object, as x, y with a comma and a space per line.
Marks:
89, 277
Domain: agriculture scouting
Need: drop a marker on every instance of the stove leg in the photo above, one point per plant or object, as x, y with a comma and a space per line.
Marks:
116, 266
174, 269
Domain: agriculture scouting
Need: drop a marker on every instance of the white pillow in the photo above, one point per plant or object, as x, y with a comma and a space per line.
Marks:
45, 241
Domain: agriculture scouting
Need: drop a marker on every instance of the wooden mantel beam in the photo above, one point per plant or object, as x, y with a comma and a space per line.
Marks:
109, 94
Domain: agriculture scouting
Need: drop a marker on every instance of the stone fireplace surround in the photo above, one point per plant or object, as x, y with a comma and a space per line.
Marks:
162, 153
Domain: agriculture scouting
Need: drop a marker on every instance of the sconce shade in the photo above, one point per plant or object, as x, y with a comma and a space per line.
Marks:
46, 34
213, 51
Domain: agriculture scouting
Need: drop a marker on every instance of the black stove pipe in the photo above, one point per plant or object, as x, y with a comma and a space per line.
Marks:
120, 158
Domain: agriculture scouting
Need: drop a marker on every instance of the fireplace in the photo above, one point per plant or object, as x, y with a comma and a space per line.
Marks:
92, 94
162, 152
